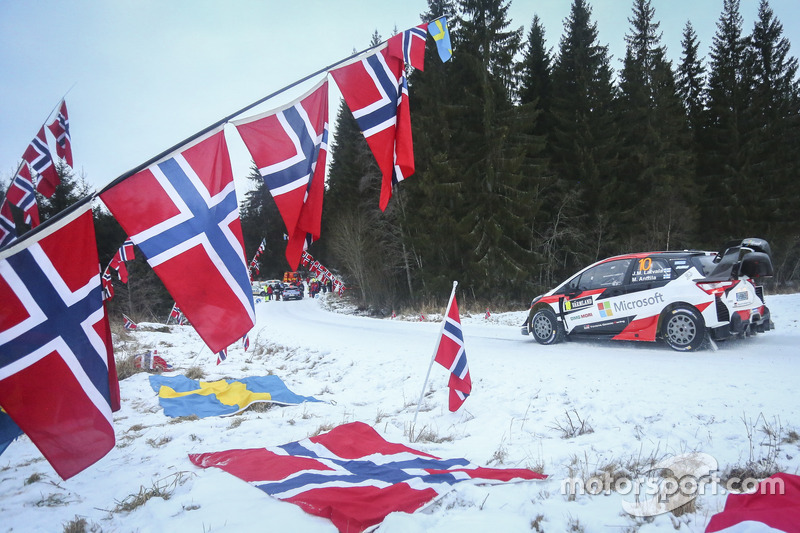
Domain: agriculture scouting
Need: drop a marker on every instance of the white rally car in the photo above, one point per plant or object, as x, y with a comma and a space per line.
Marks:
682, 298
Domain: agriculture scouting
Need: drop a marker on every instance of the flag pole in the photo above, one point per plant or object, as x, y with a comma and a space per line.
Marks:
433, 357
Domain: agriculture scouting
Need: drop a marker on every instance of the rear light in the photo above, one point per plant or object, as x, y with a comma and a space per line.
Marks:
717, 287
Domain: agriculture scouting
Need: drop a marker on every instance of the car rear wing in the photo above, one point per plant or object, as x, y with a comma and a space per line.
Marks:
743, 257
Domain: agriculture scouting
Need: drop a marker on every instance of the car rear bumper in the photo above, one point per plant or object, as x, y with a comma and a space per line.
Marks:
741, 325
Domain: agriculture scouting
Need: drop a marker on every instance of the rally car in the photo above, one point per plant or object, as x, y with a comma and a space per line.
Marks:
292, 292
682, 298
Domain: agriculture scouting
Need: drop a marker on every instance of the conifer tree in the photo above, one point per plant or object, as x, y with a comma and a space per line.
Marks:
773, 133
691, 77
261, 220
583, 138
656, 163
723, 154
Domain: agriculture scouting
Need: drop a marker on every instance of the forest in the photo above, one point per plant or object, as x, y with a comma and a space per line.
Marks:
532, 163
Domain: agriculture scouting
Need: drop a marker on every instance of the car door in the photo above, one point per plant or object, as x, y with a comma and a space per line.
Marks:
587, 307
643, 297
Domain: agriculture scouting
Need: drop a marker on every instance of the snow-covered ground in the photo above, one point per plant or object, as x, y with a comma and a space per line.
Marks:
642, 403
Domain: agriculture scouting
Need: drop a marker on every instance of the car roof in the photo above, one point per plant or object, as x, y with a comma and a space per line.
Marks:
671, 254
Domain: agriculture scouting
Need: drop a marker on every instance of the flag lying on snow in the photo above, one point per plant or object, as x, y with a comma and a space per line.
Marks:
23, 195
151, 361
128, 323
441, 36
60, 130
451, 355
353, 476
774, 506
376, 92
183, 215
57, 373
181, 396
290, 147
38, 157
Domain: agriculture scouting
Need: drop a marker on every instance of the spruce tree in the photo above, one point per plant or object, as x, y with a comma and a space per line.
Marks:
773, 132
583, 139
489, 153
656, 163
261, 219
691, 77
724, 149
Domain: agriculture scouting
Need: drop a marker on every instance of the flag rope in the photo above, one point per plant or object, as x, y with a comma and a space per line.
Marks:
196, 136
44, 124
433, 357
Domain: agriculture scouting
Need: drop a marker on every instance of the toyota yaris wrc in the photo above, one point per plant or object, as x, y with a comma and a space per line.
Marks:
682, 298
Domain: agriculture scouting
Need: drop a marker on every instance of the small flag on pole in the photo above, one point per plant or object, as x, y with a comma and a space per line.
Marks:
487, 315
246, 341
222, 355
451, 355
128, 324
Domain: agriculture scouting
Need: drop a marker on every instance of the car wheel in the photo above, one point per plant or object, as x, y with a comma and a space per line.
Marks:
684, 329
545, 327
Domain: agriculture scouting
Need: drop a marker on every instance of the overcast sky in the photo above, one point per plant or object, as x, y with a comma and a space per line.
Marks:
143, 75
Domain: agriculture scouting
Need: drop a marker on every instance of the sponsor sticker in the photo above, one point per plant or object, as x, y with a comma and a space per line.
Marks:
632, 305
580, 303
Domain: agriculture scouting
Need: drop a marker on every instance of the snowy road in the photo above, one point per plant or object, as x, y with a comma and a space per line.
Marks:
641, 402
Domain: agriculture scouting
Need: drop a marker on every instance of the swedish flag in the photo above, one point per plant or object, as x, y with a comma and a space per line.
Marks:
181, 396
441, 36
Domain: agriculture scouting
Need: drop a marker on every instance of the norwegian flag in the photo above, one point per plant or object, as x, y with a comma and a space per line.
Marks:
125, 253
60, 130
451, 355
175, 313
151, 361
38, 157
410, 46
108, 286
8, 230
306, 259
222, 355
183, 215
128, 323
352, 476
23, 195
376, 91
246, 342
57, 375
772, 507
290, 147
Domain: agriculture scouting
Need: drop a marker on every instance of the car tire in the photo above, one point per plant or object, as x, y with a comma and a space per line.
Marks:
545, 327
684, 329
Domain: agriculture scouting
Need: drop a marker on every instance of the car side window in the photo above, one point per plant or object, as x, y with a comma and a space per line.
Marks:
608, 274
650, 269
